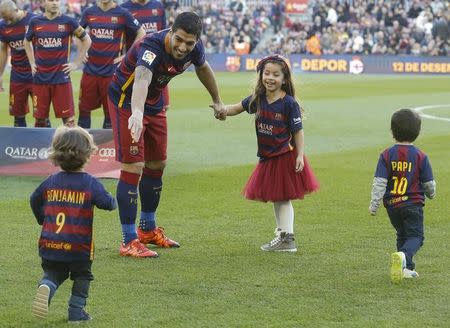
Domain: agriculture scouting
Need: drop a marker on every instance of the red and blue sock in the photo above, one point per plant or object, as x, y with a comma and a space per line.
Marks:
127, 198
150, 188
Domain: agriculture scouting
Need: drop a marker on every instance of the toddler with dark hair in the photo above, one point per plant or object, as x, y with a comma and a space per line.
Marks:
402, 180
64, 205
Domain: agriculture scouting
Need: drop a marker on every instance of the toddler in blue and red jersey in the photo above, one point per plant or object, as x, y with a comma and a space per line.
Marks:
403, 178
64, 205
283, 173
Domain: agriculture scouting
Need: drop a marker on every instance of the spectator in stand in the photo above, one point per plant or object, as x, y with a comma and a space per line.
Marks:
238, 6
313, 44
277, 15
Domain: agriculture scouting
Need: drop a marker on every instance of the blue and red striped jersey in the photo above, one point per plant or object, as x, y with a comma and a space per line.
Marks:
107, 31
275, 125
64, 205
13, 35
151, 15
51, 39
152, 52
405, 167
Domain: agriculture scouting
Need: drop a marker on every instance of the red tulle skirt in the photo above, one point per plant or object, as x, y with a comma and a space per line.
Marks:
275, 180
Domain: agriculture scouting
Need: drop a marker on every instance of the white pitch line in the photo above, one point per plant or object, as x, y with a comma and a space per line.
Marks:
432, 117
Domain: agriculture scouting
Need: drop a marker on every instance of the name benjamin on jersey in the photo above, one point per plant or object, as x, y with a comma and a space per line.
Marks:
63, 195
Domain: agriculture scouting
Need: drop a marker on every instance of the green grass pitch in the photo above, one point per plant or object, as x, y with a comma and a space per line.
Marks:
219, 277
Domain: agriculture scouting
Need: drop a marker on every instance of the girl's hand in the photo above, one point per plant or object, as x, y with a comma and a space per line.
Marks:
299, 164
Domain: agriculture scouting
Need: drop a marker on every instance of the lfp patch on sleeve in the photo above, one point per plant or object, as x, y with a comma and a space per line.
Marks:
148, 57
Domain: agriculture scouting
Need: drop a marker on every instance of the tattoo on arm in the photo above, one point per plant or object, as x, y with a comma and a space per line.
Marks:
143, 74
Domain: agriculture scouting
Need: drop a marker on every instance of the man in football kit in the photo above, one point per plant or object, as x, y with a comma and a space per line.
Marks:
107, 23
140, 127
12, 32
47, 44
152, 16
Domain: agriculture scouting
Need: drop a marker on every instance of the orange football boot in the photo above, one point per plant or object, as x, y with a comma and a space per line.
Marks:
156, 237
136, 249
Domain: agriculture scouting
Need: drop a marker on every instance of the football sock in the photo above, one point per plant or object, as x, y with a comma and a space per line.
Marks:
84, 120
48, 124
150, 188
127, 197
286, 215
41, 123
20, 121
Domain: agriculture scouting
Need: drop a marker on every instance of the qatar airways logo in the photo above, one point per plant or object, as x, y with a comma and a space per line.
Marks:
18, 45
265, 128
50, 42
150, 27
103, 33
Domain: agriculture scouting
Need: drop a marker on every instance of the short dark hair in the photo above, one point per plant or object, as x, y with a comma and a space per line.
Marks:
71, 148
405, 125
189, 22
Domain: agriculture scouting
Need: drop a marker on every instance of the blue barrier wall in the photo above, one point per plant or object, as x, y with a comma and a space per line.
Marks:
342, 64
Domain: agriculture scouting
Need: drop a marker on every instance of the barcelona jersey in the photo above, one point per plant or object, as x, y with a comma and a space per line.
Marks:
64, 205
275, 124
107, 31
151, 15
405, 168
51, 39
152, 52
13, 35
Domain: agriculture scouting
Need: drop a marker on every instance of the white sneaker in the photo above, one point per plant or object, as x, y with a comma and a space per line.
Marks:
407, 274
40, 303
398, 263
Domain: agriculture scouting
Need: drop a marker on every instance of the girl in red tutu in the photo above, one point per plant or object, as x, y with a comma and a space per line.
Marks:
283, 173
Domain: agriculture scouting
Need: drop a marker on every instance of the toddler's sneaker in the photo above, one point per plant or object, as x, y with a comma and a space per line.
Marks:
283, 242
407, 274
156, 237
78, 315
398, 263
136, 249
40, 303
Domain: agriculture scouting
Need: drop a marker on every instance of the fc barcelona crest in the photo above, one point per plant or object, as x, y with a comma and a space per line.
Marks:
114, 19
61, 28
134, 150
233, 63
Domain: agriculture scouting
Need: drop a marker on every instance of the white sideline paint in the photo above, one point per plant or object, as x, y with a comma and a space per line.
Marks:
432, 117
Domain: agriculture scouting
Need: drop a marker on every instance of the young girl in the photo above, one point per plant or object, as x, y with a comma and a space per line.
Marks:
282, 173
63, 204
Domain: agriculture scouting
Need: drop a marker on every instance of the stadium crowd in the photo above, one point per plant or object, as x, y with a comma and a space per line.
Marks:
392, 27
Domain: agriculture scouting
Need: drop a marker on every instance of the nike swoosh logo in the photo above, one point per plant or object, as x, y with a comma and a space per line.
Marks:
65, 111
8, 31
39, 28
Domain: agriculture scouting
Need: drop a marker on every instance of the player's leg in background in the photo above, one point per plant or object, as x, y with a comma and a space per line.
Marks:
104, 83
41, 104
88, 100
62, 100
18, 102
